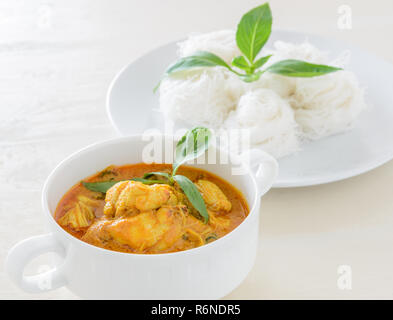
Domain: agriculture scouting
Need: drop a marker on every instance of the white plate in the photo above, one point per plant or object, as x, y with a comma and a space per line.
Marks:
132, 108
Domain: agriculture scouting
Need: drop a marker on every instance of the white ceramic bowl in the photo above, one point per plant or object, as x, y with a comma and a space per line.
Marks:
210, 271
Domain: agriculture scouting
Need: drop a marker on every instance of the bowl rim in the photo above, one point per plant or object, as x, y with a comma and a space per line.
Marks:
253, 208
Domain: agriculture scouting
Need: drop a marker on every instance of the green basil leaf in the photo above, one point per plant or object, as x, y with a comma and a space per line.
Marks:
212, 236
162, 174
104, 186
198, 59
99, 186
192, 145
149, 181
241, 63
261, 61
254, 30
297, 68
193, 195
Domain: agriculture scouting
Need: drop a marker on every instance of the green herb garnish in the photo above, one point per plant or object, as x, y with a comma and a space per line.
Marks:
193, 195
252, 33
211, 237
99, 186
192, 145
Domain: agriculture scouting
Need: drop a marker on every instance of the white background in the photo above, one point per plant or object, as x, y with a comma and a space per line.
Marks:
56, 61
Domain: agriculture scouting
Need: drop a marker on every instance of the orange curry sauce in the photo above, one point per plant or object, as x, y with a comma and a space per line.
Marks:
173, 234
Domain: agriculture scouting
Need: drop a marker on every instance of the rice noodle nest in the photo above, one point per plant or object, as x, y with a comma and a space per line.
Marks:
327, 105
263, 120
200, 96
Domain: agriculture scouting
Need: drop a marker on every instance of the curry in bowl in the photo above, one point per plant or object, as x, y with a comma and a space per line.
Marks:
139, 218
153, 208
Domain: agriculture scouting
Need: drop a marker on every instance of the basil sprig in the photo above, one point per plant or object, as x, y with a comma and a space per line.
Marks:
192, 145
252, 33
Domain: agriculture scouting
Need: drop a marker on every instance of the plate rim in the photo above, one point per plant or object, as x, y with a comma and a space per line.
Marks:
119, 74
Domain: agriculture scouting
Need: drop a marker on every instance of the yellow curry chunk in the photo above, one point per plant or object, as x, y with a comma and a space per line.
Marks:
146, 230
218, 222
80, 216
89, 201
132, 197
214, 198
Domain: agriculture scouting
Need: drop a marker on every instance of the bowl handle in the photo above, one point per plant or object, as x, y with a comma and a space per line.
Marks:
264, 167
23, 252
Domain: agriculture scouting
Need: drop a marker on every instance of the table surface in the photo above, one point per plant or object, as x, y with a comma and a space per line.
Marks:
57, 59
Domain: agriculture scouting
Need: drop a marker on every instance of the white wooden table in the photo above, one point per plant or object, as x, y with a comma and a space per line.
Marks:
56, 61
